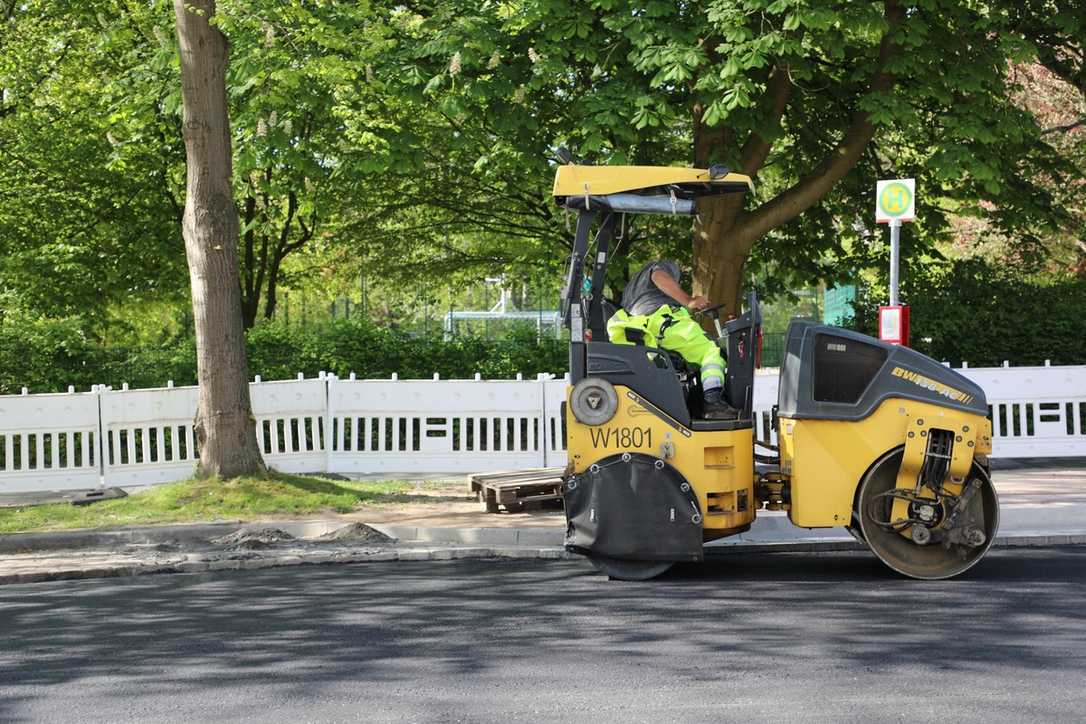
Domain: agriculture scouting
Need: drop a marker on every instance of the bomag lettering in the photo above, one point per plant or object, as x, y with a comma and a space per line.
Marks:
622, 437
929, 384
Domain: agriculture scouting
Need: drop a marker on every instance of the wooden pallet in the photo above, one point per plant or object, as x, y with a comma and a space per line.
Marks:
517, 489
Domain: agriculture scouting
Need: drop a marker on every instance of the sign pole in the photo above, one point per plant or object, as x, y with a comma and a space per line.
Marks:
895, 259
895, 202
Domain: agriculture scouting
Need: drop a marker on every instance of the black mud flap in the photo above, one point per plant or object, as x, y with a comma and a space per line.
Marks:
632, 507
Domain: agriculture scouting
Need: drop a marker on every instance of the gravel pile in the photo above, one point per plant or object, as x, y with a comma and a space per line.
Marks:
253, 538
358, 533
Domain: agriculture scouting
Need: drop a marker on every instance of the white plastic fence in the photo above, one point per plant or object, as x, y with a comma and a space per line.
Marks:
147, 435
1035, 411
291, 423
435, 425
138, 437
49, 442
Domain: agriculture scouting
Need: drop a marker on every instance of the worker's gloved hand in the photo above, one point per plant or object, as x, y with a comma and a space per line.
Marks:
697, 303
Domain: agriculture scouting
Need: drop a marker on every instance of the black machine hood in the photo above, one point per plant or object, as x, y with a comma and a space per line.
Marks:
837, 374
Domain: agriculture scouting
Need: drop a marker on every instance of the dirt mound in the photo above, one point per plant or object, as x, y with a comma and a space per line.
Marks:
358, 532
253, 538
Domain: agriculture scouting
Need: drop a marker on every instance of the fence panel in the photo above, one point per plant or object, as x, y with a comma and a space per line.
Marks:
291, 423
435, 426
147, 435
48, 442
1035, 411
554, 421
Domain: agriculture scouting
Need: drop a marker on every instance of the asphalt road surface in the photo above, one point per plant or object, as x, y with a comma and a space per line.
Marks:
790, 637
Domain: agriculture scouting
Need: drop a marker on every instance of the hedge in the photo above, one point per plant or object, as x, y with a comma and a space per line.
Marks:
49, 355
977, 312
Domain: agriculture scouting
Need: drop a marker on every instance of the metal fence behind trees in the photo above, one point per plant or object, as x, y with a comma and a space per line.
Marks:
326, 424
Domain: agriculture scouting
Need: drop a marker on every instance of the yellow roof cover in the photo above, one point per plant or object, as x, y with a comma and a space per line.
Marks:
571, 180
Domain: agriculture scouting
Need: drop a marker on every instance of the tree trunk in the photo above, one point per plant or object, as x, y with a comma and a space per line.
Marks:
250, 305
250, 290
718, 255
720, 251
224, 426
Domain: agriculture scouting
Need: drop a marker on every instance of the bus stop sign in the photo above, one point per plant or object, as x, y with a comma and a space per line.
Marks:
895, 200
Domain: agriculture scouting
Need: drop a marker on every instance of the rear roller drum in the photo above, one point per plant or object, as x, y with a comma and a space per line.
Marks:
622, 570
916, 550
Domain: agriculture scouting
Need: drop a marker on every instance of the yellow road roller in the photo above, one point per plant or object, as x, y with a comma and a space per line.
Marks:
872, 437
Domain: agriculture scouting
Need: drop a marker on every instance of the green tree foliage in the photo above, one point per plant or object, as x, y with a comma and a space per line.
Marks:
411, 140
91, 158
1058, 34
814, 99
297, 69
88, 158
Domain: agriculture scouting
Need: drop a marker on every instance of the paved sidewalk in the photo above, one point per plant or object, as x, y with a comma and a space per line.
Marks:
1041, 486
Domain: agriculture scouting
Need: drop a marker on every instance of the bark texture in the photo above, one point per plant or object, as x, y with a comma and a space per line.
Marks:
724, 233
225, 431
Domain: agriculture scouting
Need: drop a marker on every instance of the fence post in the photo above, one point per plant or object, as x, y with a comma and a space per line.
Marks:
100, 446
541, 440
329, 422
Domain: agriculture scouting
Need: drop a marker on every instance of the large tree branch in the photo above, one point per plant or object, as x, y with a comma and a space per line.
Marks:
307, 231
284, 233
1065, 65
777, 94
247, 238
809, 190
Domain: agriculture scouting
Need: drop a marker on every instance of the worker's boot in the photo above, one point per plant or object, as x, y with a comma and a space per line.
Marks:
715, 408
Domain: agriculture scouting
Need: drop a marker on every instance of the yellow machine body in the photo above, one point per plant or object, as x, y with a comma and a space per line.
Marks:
872, 436
825, 460
718, 464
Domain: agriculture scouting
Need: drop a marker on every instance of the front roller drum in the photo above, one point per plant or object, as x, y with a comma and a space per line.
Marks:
922, 554
622, 570
632, 515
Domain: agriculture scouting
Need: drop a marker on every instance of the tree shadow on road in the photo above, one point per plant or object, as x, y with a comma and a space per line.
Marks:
302, 630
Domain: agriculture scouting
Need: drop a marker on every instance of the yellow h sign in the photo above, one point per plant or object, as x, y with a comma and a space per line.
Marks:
895, 199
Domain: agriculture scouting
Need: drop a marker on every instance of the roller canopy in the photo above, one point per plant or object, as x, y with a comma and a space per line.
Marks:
642, 189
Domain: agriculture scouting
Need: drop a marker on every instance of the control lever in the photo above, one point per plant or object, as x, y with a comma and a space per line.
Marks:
710, 310
716, 319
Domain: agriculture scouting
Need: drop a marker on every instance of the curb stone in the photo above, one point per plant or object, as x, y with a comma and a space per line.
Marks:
769, 529
194, 563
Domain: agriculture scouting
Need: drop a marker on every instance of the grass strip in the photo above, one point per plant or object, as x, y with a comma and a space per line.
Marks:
209, 499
